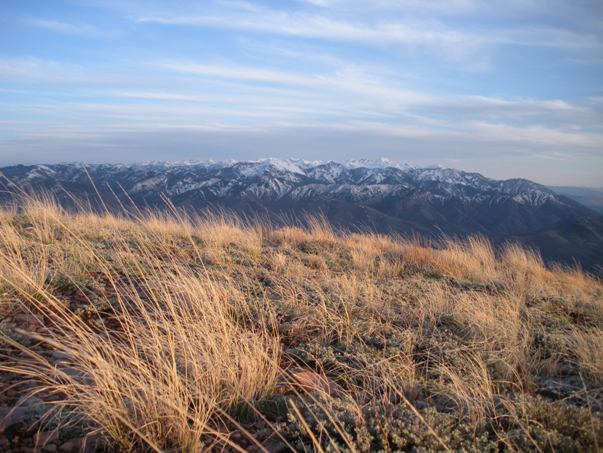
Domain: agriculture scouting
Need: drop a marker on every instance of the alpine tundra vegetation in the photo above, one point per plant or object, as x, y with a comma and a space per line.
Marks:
170, 332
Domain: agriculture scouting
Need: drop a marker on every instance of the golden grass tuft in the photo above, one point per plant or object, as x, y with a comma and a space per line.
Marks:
586, 346
177, 358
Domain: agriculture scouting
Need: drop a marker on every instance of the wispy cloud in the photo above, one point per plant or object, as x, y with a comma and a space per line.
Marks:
538, 135
586, 11
388, 93
412, 33
77, 29
339, 95
21, 68
447, 42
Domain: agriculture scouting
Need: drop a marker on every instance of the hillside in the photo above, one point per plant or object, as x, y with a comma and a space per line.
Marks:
590, 197
364, 196
168, 333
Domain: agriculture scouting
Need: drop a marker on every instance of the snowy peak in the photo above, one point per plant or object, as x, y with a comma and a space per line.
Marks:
376, 163
274, 178
259, 167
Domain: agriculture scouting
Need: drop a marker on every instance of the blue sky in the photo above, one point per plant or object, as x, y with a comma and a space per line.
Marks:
508, 88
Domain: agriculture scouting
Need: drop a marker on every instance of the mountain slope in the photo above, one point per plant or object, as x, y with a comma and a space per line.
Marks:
166, 334
381, 196
589, 197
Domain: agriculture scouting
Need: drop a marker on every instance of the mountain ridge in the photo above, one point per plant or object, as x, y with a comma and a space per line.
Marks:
380, 195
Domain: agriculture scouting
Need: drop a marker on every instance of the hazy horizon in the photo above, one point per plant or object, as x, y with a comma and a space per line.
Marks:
507, 89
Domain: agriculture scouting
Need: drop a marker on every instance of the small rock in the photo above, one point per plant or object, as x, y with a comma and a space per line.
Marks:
57, 355
86, 444
558, 389
46, 437
314, 382
274, 446
12, 417
34, 403
420, 405
29, 322
71, 445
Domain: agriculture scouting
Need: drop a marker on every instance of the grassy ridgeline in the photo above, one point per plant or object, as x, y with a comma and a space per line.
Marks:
207, 333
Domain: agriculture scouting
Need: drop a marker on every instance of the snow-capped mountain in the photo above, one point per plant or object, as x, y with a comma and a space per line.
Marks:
381, 195
274, 179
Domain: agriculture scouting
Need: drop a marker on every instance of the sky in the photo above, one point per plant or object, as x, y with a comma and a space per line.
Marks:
508, 88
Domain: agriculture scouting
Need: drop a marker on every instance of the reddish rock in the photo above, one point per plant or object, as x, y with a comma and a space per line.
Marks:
312, 381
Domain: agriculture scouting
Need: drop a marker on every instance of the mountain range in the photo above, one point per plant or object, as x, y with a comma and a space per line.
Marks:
383, 196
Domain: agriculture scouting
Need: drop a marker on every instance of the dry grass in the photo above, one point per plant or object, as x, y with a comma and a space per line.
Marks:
178, 356
587, 348
172, 328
